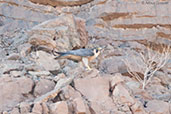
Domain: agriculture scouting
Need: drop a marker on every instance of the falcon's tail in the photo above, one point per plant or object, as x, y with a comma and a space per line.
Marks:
61, 54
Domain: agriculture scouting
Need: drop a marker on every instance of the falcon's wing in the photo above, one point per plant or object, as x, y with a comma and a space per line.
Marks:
81, 52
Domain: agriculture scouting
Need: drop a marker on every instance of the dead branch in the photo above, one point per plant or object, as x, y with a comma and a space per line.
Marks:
150, 62
52, 94
59, 86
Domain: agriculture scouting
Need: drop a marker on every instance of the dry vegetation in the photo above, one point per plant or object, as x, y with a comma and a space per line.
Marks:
149, 61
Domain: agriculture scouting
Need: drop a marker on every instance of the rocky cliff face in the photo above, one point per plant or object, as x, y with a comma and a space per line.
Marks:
33, 82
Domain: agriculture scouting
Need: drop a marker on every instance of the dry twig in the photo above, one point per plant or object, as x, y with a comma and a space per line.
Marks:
150, 62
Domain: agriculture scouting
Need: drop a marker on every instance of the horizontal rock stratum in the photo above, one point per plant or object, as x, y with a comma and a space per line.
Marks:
134, 35
62, 2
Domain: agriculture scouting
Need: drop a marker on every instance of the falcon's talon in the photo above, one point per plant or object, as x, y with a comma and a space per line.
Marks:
89, 69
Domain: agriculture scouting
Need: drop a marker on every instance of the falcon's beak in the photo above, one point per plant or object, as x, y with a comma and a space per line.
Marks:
101, 48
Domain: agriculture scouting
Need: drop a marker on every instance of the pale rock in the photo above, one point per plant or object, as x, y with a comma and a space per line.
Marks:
165, 79
164, 97
15, 111
10, 97
59, 108
156, 89
37, 108
157, 107
41, 73
59, 76
43, 86
96, 90
33, 68
25, 107
113, 65
116, 79
124, 108
63, 33
24, 49
5, 112
133, 85
70, 107
102, 108
45, 108
69, 93
87, 86
28, 16
96, 108
47, 61
13, 56
3, 54
9, 65
91, 74
123, 95
79, 106
138, 108
16, 73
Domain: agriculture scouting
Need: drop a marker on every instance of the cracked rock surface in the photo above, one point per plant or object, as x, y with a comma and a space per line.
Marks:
33, 82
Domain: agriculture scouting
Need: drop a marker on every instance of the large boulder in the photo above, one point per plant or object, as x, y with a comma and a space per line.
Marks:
96, 91
63, 33
43, 86
13, 91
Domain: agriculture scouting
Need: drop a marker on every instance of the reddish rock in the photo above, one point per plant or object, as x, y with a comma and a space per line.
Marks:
62, 2
96, 90
102, 108
69, 93
97, 108
15, 111
37, 108
10, 97
79, 106
40, 40
81, 29
43, 86
88, 86
45, 108
59, 108
123, 95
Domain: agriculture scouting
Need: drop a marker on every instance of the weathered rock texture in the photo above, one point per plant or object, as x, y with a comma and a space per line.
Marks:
62, 2
33, 82
63, 33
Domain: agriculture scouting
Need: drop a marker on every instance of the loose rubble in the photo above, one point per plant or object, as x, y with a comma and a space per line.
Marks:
33, 82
